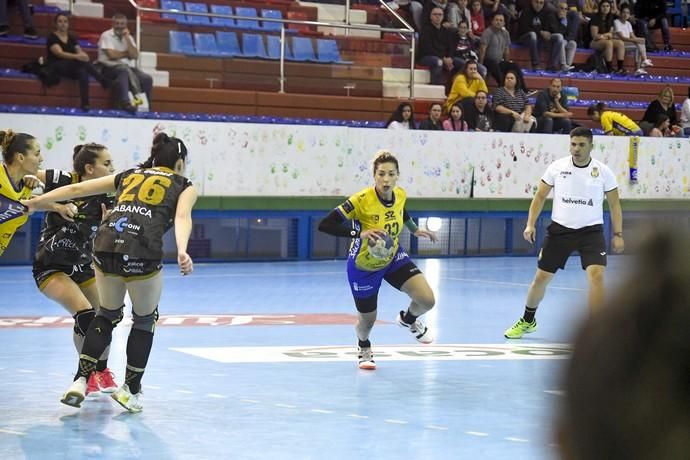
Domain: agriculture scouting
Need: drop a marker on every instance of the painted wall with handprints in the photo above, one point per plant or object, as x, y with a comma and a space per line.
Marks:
236, 159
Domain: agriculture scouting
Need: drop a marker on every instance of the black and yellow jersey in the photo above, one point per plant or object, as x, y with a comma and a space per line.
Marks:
12, 214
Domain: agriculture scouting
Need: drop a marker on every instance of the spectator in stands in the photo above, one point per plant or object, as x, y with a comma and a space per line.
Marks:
551, 109
613, 123
603, 39
626, 390
537, 27
436, 47
492, 7
117, 53
651, 14
23, 6
568, 25
685, 115
429, 5
662, 105
477, 23
66, 59
465, 48
623, 30
662, 127
466, 85
494, 50
455, 120
402, 117
479, 115
433, 123
591, 7
457, 11
513, 112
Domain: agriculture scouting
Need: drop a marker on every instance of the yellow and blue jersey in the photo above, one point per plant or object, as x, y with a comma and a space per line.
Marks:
12, 214
368, 211
619, 124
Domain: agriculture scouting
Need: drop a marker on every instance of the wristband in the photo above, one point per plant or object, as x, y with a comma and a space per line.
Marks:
411, 226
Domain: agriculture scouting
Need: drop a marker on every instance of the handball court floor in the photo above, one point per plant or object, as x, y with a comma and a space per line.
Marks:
258, 361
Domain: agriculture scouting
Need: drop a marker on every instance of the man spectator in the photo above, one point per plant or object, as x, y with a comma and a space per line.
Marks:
651, 14
568, 25
551, 109
494, 48
117, 53
536, 28
479, 116
23, 7
436, 47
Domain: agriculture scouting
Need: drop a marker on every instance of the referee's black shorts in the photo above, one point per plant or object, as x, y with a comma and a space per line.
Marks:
561, 241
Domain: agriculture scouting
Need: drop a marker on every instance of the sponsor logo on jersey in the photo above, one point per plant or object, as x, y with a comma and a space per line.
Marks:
133, 209
565, 174
348, 206
122, 224
10, 209
579, 201
595, 172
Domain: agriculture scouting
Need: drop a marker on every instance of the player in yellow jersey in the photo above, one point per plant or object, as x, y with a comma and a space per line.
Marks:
613, 123
377, 215
21, 156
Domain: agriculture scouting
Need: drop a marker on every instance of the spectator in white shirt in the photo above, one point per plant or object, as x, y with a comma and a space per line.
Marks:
623, 30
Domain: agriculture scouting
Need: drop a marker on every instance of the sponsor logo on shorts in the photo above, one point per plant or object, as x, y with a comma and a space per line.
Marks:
360, 288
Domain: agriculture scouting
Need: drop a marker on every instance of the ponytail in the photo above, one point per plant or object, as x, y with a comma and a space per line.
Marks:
165, 152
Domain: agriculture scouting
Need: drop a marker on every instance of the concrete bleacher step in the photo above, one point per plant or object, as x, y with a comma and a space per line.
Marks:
421, 91
395, 75
148, 62
80, 7
336, 13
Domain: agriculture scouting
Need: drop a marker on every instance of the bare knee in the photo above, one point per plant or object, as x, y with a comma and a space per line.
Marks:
595, 275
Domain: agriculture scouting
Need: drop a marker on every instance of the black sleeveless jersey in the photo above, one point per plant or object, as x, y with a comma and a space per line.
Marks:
145, 205
69, 243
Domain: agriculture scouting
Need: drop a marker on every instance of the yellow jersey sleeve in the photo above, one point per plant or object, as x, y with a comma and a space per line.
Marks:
12, 213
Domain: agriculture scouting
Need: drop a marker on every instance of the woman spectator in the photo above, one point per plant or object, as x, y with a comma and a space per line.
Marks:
603, 40
433, 123
662, 127
455, 121
685, 115
66, 59
466, 85
613, 123
477, 24
402, 117
662, 105
513, 113
479, 115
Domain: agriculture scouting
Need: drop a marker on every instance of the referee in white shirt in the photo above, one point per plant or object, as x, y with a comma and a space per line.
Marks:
579, 184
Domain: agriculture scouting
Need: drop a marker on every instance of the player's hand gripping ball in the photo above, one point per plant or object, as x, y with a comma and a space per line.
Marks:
381, 248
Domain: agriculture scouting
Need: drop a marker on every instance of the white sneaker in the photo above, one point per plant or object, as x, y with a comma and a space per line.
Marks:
75, 394
647, 63
641, 71
366, 359
125, 398
420, 331
567, 68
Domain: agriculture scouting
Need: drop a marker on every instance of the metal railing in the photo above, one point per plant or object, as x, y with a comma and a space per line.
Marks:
408, 30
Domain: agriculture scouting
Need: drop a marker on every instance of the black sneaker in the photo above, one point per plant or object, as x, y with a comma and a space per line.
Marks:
30, 33
668, 48
4, 30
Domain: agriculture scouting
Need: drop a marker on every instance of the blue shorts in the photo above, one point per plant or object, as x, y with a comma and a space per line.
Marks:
366, 284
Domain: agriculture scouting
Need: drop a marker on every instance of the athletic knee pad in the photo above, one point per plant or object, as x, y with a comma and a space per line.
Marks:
113, 316
145, 323
82, 320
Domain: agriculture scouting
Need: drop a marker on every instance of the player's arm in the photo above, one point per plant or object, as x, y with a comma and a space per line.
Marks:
616, 220
336, 224
416, 231
87, 188
183, 228
535, 209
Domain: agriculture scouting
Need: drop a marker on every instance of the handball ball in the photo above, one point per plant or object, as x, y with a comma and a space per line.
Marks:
381, 248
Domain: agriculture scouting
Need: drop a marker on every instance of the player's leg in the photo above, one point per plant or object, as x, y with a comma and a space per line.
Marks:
365, 289
592, 249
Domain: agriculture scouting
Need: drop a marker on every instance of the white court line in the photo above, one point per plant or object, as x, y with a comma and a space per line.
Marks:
395, 421
555, 392
216, 395
321, 411
507, 283
358, 416
187, 392
476, 433
512, 439
26, 371
436, 427
18, 433
252, 401
285, 406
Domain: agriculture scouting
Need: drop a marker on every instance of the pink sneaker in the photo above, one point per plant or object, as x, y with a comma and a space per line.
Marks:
92, 384
106, 381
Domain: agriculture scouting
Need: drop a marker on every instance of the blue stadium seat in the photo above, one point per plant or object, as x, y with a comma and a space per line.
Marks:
228, 44
302, 49
271, 14
253, 46
205, 45
173, 5
273, 48
222, 22
327, 50
247, 23
181, 42
197, 8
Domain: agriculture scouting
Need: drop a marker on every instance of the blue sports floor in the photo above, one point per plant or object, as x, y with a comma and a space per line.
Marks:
257, 361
